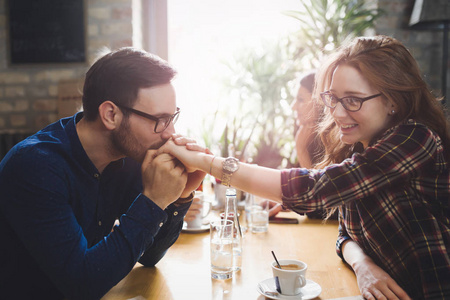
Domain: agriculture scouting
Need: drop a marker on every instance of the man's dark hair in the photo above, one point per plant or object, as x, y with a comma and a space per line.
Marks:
118, 76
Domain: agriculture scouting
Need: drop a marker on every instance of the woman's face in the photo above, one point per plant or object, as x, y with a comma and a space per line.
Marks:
373, 118
303, 106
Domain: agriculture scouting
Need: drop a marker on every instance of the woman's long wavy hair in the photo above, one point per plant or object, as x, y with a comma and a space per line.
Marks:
389, 67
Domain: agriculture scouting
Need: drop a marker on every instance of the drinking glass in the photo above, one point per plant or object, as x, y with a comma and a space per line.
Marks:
258, 213
221, 245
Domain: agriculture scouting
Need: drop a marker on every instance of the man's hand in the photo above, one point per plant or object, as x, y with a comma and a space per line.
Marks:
193, 182
164, 178
185, 148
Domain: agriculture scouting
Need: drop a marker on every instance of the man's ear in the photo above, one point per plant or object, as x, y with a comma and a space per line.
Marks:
110, 115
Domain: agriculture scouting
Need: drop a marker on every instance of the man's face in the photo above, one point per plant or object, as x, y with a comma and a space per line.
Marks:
135, 134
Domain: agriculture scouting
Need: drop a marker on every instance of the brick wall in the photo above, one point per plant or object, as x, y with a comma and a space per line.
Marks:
29, 93
425, 46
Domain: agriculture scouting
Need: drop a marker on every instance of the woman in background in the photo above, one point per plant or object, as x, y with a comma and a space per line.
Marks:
385, 167
307, 143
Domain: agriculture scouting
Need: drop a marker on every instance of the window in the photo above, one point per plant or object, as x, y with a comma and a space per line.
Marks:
202, 34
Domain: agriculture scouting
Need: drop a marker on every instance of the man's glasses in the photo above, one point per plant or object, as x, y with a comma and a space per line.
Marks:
349, 103
161, 122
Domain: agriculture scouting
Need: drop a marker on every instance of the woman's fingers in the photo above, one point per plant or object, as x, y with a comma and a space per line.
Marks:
197, 147
182, 140
189, 143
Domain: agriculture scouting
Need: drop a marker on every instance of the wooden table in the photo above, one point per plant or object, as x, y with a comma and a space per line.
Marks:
184, 272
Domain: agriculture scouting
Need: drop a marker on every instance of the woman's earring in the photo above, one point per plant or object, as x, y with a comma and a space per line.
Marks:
392, 112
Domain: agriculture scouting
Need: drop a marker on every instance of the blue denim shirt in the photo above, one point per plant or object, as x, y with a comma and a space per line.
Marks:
57, 214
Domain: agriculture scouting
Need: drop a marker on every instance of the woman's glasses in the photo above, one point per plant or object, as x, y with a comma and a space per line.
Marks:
349, 103
161, 122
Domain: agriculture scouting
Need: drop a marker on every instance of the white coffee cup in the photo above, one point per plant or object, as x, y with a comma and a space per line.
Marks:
198, 211
291, 280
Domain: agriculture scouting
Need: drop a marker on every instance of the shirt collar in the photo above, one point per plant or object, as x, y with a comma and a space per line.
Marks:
80, 154
78, 151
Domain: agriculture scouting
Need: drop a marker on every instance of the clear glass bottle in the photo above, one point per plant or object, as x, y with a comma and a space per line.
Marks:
232, 212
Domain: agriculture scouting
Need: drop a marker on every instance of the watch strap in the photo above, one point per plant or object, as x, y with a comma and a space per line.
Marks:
226, 179
229, 166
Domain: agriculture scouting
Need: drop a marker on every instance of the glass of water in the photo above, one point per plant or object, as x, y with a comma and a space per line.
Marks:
258, 214
221, 245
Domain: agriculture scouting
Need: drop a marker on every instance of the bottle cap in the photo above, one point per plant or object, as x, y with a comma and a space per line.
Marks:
230, 192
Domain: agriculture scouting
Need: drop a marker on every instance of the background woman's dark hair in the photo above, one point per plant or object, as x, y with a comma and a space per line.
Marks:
307, 81
118, 76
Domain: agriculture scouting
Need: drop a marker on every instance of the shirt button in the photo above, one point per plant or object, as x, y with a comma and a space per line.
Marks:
161, 224
99, 223
175, 213
96, 176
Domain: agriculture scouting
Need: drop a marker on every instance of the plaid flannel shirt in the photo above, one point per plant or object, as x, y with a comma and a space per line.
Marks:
394, 201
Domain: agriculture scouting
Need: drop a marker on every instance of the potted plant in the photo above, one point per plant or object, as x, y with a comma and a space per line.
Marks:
326, 24
260, 118
259, 123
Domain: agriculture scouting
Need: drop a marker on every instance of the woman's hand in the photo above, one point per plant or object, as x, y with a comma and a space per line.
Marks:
274, 207
189, 143
373, 281
186, 150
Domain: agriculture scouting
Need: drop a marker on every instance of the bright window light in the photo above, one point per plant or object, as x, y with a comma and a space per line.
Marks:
204, 33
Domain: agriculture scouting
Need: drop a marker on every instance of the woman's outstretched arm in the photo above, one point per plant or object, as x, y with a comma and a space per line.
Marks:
260, 181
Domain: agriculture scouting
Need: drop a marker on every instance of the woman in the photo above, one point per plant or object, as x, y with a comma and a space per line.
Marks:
307, 143
386, 155
308, 146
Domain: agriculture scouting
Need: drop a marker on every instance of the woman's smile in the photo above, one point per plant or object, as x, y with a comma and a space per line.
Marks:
367, 122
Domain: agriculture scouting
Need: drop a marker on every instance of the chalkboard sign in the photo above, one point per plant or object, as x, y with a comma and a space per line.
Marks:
46, 31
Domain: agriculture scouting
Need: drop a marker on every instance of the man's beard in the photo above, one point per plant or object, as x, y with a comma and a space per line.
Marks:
125, 143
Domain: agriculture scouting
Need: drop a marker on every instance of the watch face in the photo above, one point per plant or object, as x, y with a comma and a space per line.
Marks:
228, 168
231, 164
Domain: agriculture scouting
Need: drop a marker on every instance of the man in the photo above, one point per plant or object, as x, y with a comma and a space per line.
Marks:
64, 187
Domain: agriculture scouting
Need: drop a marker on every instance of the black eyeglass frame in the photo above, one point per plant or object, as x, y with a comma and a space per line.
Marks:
172, 118
339, 100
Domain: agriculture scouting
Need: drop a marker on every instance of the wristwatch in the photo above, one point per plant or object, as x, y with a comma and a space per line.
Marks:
229, 166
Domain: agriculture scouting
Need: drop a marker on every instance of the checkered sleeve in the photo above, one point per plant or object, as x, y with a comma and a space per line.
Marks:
342, 236
393, 161
394, 196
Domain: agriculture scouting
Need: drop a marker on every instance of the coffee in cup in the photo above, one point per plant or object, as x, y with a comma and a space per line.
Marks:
290, 267
291, 276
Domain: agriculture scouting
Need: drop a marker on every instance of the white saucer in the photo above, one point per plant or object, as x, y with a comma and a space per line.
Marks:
204, 227
310, 291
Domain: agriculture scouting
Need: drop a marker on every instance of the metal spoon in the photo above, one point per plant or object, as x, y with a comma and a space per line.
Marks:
266, 290
276, 260
277, 283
